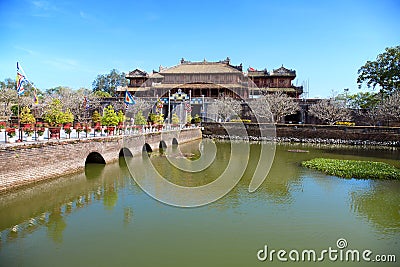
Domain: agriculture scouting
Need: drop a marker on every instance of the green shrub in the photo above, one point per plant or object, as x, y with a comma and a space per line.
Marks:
353, 168
140, 119
110, 118
197, 118
96, 117
27, 116
54, 115
175, 119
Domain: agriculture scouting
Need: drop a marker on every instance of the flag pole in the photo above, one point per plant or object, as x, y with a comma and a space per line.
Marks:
169, 107
19, 122
125, 117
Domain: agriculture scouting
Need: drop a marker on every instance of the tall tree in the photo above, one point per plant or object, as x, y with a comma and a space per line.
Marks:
363, 100
384, 72
109, 82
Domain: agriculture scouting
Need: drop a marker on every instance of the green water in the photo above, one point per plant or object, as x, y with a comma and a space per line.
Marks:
102, 218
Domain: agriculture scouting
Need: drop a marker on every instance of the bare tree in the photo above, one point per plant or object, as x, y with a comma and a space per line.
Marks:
140, 105
79, 102
389, 109
278, 104
224, 109
330, 111
8, 97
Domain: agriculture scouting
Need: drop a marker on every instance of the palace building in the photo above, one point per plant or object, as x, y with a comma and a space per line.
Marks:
211, 80
278, 80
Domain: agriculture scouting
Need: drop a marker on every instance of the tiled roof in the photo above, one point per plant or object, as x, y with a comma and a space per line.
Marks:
280, 89
196, 86
257, 73
282, 71
156, 76
201, 67
137, 73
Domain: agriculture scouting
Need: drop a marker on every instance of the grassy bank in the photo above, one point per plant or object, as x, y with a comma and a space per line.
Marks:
354, 168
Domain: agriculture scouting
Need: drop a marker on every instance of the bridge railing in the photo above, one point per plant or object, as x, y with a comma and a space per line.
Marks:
46, 135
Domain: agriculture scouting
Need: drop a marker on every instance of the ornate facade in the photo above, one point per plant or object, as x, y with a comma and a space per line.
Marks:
211, 79
278, 80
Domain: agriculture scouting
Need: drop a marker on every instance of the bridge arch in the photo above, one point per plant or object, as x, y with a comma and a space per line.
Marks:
95, 157
174, 141
125, 152
162, 145
147, 148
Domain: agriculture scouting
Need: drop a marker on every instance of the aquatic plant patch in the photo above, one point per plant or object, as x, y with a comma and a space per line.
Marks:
353, 168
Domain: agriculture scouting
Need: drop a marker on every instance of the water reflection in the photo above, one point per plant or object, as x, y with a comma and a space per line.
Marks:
50, 205
56, 225
94, 170
380, 205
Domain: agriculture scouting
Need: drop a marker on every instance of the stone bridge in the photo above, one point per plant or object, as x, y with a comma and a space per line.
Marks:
26, 163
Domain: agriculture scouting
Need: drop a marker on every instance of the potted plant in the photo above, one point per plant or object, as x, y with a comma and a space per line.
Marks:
175, 120
139, 121
11, 135
78, 128
27, 118
121, 119
110, 119
67, 129
96, 117
87, 129
55, 117
28, 130
97, 128
157, 120
40, 131
3, 125
188, 120
197, 120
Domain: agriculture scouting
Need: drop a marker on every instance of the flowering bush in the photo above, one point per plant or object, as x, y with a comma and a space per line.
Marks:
28, 129
40, 131
78, 127
2, 124
26, 116
97, 127
86, 128
67, 128
10, 132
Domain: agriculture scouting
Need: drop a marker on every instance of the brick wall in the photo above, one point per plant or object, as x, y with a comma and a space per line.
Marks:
25, 163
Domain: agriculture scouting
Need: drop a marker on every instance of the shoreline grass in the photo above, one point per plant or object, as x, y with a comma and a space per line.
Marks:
354, 168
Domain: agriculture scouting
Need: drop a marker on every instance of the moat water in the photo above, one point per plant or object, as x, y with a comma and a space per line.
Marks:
101, 217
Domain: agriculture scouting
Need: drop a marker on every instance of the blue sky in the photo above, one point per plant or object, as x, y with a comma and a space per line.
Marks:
70, 42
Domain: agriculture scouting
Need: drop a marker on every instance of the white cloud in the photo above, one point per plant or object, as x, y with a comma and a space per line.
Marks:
43, 8
27, 50
62, 63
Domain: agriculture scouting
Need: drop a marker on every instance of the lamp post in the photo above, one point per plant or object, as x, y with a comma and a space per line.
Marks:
202, 108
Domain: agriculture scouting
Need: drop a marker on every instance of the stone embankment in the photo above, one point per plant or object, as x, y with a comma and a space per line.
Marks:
316, 134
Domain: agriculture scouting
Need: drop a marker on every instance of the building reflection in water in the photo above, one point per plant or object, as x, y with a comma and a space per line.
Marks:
48, 204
